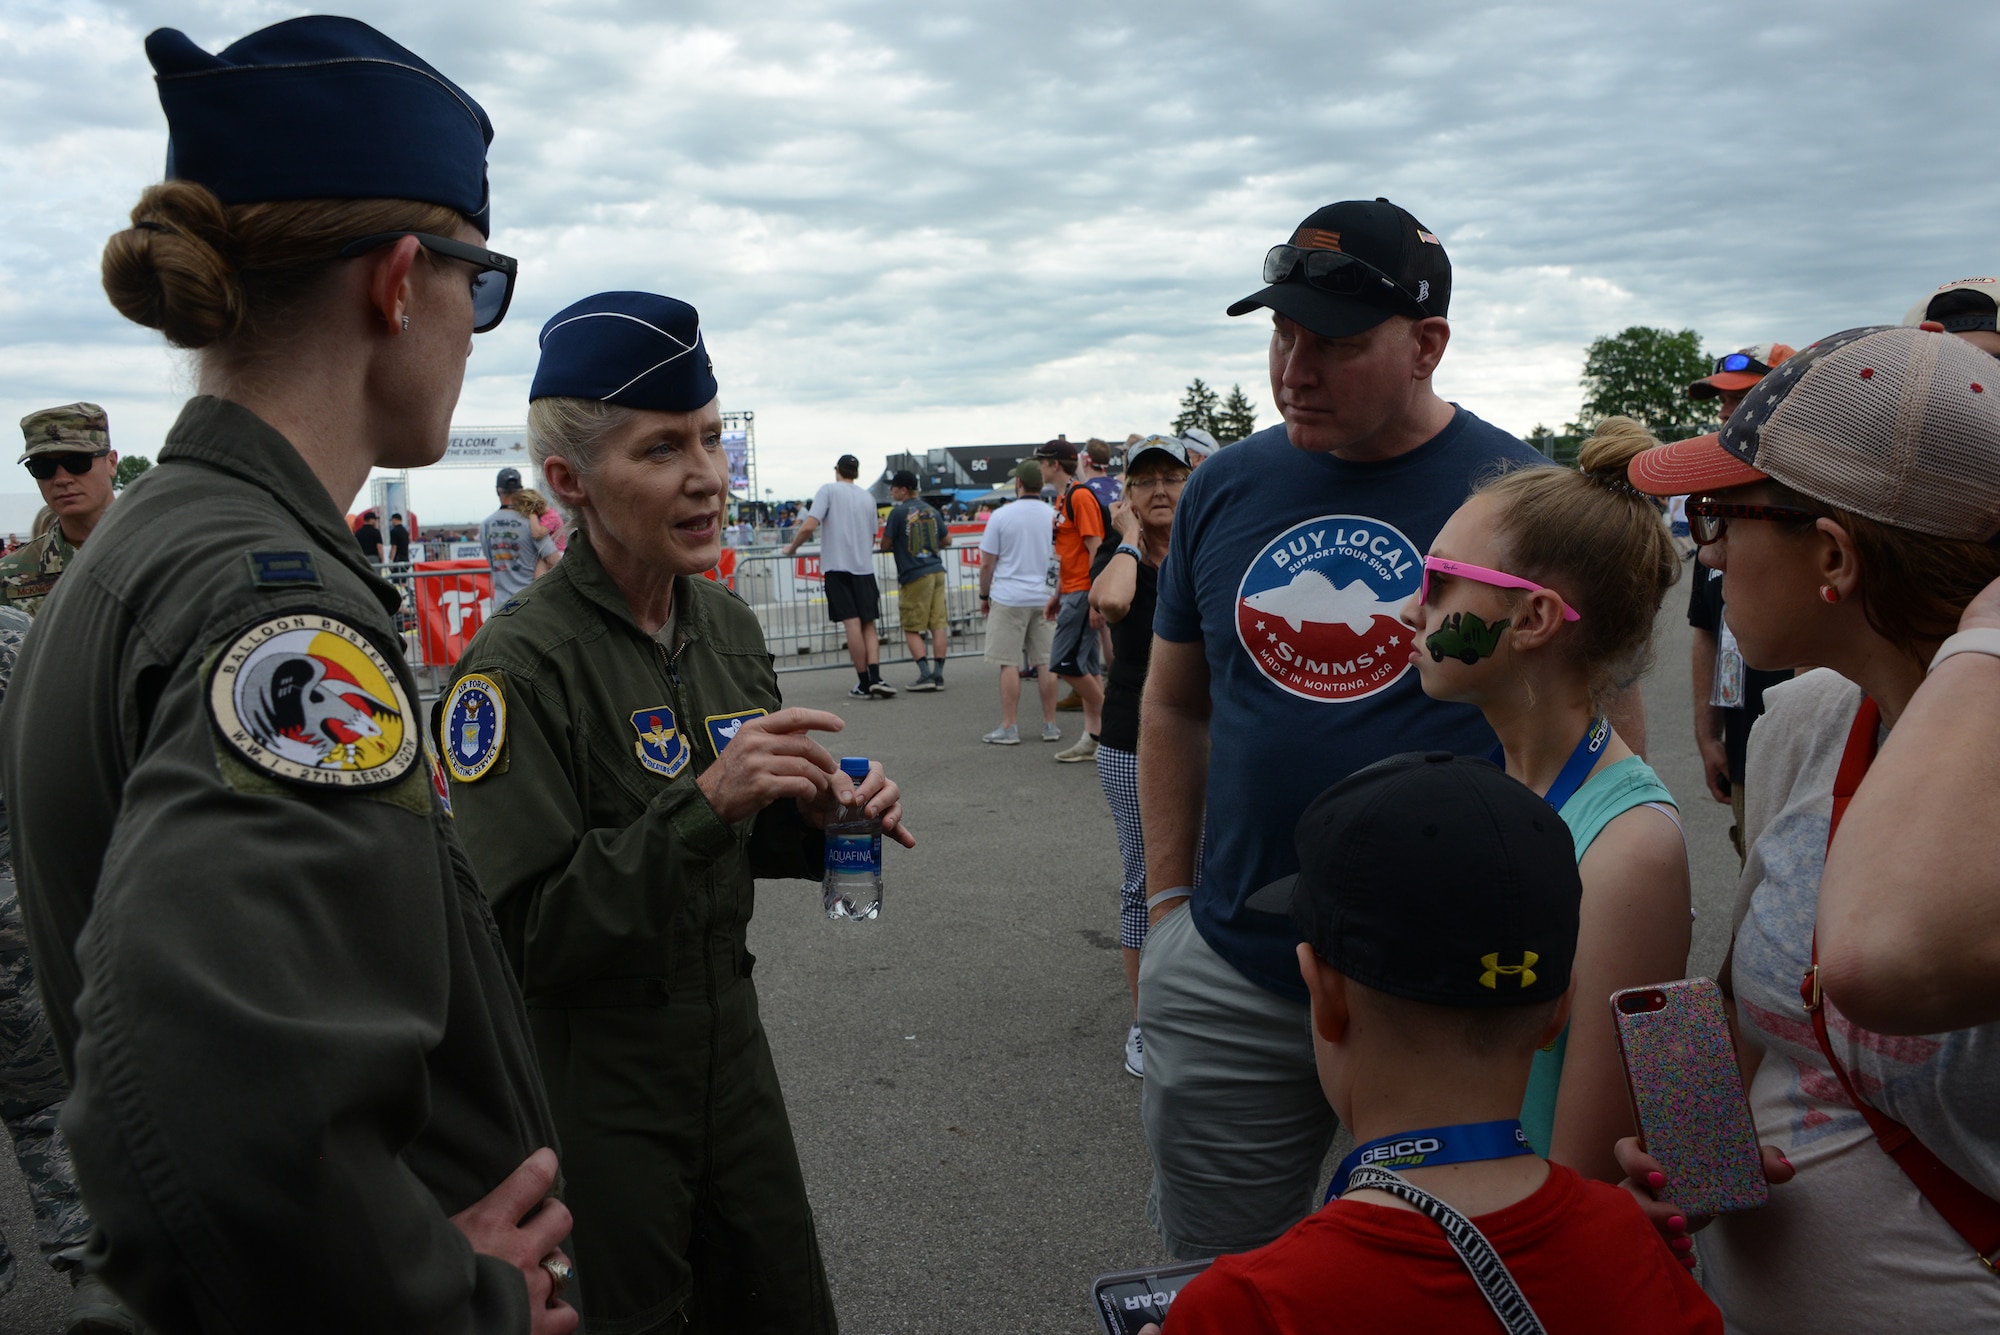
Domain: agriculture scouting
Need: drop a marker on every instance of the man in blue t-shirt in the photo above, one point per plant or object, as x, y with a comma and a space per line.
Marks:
1279, 668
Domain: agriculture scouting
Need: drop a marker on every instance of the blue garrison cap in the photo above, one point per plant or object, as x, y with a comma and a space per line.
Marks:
320, 108
629, 348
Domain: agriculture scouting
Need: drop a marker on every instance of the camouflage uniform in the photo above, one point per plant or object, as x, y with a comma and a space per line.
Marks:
29, 574
32, 1087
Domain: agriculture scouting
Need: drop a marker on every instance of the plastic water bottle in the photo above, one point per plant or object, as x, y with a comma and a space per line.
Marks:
853, 885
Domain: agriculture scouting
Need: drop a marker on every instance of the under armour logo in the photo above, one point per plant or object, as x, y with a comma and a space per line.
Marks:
1494, 968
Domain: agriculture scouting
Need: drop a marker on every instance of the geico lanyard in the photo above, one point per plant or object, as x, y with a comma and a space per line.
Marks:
1577, 768
1466, 1143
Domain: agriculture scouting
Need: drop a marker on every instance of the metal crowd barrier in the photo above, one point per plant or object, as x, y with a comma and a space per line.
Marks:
446, 602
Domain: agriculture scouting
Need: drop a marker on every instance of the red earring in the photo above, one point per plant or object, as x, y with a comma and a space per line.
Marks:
1828, 594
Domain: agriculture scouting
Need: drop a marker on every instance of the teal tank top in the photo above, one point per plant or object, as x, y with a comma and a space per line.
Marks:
1606, 795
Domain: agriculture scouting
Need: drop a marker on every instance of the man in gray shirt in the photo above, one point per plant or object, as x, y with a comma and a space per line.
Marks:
518, 548
846, 514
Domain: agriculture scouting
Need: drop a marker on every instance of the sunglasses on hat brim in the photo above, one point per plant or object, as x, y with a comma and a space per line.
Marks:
1737, 362
42, 467
492, 278
1340, 273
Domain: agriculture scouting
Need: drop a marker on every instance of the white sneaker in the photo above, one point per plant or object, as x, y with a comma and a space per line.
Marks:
1135, 1054
1084, 749
1051, 732
1003, 737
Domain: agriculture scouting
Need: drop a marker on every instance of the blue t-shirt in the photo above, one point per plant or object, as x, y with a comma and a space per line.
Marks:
1289, 567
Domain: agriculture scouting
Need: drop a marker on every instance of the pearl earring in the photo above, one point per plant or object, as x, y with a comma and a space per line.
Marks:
1828, 594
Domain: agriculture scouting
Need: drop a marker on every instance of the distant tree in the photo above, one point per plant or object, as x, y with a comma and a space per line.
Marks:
1198, 408
129, 467
1236, 418
1643, 373
1542, 439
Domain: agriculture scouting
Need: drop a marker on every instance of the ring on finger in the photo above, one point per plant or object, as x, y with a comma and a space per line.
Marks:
560, 1273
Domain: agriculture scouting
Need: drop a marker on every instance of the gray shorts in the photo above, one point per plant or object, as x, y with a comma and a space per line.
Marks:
1076, 652
1234, 1113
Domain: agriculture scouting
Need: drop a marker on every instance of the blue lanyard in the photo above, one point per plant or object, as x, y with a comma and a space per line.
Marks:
1439, 1145
1577, 768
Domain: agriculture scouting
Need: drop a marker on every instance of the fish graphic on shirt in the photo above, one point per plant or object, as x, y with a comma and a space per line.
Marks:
1311, 597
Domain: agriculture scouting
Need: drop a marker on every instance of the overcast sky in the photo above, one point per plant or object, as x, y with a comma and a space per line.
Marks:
911, 225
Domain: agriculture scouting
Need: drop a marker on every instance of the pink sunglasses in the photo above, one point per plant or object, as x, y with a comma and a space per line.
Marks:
1499, 579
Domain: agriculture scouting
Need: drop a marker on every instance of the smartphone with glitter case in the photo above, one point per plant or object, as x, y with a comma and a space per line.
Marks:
1687, 1093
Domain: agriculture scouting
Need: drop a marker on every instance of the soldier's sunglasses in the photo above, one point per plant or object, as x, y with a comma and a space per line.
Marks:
1338, 272
492, 277
1709, 520
42, 467
1499, 579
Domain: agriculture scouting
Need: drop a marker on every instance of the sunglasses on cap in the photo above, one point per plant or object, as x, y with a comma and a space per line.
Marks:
492, 278
42, 467
1337, 272
1498, 579
1739, 361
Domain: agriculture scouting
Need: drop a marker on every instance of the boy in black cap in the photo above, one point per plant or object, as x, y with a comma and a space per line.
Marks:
1427, 1007
916, 534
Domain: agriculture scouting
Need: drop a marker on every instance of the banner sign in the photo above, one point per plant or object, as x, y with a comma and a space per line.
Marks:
736, 443
453, 599
498, 446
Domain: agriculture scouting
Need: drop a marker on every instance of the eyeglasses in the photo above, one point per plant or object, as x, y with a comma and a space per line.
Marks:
1499, 579
1154, 480
492, 279
1709, 520
42, 467
1337, 271
1739, 361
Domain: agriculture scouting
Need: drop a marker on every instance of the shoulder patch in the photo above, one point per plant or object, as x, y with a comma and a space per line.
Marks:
433, 768
661, 748
309, 699
282, 570
474, 727
722, 728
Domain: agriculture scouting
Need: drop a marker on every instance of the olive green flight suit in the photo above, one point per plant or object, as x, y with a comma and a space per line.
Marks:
295, 1044
624, 902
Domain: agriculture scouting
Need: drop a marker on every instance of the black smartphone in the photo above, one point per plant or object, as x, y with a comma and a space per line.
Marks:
1127, 1300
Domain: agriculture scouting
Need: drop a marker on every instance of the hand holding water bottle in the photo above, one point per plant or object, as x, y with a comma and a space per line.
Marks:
852, 886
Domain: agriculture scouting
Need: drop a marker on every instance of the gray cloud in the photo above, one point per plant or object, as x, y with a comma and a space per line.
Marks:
907, 226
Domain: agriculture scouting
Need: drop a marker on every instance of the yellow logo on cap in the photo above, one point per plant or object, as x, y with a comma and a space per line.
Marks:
1494, 968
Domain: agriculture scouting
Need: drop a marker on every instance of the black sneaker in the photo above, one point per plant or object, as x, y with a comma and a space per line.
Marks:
881, 690
860, 692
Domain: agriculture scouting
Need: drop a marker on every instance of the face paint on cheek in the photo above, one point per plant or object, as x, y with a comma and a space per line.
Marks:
1464, 636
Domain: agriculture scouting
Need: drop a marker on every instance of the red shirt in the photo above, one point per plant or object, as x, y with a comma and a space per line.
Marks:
1079, 515
1581, 1251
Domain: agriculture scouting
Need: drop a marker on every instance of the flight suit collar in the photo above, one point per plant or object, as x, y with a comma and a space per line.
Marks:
230, 437
590, 579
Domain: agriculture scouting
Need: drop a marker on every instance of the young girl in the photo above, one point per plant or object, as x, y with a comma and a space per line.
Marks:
1537, 606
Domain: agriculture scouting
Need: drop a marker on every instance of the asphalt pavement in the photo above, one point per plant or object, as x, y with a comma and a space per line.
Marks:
971, 1142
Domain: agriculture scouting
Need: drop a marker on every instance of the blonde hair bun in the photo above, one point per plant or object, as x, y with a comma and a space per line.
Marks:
170, 270
1615, 443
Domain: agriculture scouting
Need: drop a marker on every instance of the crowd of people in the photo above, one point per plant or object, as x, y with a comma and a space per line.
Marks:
1362, 692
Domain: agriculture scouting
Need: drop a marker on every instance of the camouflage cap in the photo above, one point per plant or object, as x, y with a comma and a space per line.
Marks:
66, 430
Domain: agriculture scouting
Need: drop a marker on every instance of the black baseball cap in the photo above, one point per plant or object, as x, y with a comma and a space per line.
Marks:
847, 466
1411, 273
1436, 878
508, 480
1058, 449
905, 479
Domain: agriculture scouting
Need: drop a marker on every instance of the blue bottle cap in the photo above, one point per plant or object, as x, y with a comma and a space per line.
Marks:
854, 767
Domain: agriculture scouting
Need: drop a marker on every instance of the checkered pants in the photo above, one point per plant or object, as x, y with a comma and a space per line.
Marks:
1118, 772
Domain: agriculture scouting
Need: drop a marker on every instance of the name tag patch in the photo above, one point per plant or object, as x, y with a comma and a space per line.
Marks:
474, 726
722, 728
661, 748
309, 699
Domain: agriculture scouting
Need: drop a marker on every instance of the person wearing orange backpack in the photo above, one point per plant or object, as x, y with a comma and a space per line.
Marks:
1852, 504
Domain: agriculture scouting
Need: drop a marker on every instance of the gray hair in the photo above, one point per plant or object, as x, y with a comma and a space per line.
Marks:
576, 429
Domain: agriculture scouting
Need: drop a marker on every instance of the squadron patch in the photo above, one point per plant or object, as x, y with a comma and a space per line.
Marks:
309, 699
475, 724
722, 728
661, 748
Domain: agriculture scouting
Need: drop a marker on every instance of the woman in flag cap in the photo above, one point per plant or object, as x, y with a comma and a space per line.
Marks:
305, 1096
623, 768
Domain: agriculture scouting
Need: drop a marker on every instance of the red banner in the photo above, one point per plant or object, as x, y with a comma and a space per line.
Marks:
453, 600
724, 572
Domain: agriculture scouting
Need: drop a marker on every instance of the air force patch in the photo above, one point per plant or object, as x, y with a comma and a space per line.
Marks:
661, 748
722, 728
309, 699
474, 727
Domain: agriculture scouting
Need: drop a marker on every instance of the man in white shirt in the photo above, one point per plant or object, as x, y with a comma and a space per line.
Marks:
847, 561
1013, 589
